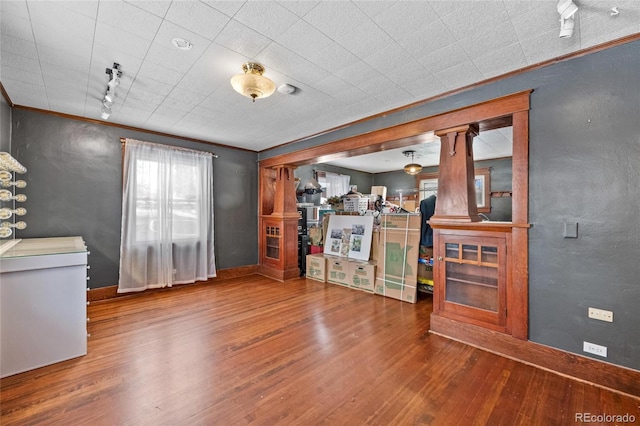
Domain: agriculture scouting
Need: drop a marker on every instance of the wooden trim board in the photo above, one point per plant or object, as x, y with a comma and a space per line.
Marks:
609, 376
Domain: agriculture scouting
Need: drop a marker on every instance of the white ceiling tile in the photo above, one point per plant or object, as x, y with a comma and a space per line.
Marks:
49, 18
391, 59
169, 111
516, 8
17, 8
291, 64
20, 90
492, 38
600, 26
21, 62
66, 40
546, 45
300, 8
184, 99
152, 85
268, 18
425, 87
364, 39
127, 17
158, 8
228, 7
444, 58
53, 56
333, 57
424, 41
150, 70
501, 61
145, 91
134, 104
475, 18
405, 17
459, 76
242, 39
357, 72
546, 19
11, 73
197, 17
16, 26
335, 18
302, 38
130, 115
87, 8
373, 7
18, 46
120, 40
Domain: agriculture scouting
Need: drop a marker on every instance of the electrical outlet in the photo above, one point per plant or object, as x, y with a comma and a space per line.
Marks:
592, 348
601, 314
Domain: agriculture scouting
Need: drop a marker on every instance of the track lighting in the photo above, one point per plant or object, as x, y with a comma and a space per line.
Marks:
567, 9
109, 97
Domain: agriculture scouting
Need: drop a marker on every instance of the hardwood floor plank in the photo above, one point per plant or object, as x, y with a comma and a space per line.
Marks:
250, 350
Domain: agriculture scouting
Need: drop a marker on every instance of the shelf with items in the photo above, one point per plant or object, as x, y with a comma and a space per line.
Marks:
9, 166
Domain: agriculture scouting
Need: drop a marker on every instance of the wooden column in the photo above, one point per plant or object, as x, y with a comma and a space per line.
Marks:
279, 230
456, 178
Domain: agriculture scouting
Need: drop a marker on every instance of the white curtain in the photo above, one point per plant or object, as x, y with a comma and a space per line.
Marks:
337, 184
167, 217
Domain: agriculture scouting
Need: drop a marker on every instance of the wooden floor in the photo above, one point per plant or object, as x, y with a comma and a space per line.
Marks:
256, 351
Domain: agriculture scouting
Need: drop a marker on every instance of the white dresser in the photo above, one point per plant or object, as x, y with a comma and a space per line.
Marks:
43, 302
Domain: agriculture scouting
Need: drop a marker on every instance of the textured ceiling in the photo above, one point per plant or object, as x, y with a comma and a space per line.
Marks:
349, 59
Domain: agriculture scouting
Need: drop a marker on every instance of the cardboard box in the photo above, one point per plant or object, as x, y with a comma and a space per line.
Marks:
425, 274
397, 257
356, 204
362, 275
337, 270
403, 292
317, 267
315, 236
379, 190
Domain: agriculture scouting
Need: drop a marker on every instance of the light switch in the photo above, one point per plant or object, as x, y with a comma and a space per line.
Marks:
570, 230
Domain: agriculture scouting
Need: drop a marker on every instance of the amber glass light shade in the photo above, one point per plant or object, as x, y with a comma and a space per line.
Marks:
252, 83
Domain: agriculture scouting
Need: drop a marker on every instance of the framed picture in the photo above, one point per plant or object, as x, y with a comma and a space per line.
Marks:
428, 185
349, 236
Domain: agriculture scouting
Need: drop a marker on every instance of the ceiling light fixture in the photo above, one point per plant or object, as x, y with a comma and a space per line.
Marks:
109, 97
411, 168
567, 9
182, 43
252, 83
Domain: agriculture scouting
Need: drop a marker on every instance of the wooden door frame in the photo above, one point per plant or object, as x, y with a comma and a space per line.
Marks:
511, 110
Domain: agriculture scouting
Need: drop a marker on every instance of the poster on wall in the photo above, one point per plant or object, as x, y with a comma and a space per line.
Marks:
349, 236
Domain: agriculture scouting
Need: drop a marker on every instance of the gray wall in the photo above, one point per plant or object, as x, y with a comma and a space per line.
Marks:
74, 176
5, 125
501, 176
584, 168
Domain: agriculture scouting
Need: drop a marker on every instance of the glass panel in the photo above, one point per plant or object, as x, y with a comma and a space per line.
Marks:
472, 285
489, 254
452, 250
469, 252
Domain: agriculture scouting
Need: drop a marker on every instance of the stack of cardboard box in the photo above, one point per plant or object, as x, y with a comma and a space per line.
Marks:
393, 267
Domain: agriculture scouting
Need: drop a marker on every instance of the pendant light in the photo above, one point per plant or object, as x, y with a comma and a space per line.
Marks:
252, 83
411, 168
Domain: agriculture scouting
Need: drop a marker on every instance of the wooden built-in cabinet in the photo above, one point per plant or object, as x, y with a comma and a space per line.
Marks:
471, 270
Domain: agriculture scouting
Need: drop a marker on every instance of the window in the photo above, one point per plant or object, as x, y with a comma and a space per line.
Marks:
167, 217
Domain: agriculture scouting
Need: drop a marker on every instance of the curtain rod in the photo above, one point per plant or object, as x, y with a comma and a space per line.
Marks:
123, 141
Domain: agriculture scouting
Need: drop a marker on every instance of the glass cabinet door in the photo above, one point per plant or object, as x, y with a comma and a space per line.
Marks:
473, 272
